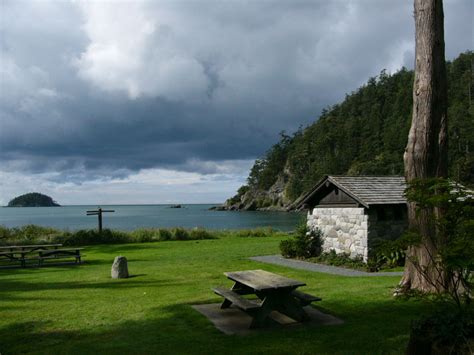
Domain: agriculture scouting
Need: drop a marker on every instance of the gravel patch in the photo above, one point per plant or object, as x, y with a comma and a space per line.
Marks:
327, 269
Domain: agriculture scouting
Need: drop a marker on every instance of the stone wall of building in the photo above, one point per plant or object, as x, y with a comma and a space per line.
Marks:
344, 229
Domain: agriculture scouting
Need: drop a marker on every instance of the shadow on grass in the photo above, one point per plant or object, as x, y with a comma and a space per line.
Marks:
64, 264
136, 275
30, 266
378, 327
109, 261
17, 290
121, 248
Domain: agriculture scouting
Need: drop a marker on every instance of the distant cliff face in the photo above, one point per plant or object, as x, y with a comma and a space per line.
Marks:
33, 199
252, 199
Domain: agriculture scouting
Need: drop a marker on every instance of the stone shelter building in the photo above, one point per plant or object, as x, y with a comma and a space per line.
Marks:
354, 211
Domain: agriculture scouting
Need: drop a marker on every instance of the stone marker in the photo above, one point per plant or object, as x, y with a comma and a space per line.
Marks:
120, 268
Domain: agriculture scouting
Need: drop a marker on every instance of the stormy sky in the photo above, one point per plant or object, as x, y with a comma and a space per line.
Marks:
171, 101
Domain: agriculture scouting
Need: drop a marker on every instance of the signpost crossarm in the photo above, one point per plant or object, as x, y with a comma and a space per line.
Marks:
98, 213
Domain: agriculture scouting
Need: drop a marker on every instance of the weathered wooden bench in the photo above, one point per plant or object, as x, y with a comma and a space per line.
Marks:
60, 254
305, 298
234, 298
32, 247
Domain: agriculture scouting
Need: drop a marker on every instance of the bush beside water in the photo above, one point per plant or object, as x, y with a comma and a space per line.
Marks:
305, 244
342, 259
33, 234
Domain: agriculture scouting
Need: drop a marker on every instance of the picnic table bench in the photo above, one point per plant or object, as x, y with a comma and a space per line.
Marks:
32, 247
274, 293
39, 252
59, 254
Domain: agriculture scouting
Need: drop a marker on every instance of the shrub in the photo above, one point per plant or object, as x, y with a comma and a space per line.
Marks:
145, 235
80, 237
165, 234
32, 234
445, 330
387, 254
256, 233
200, 233
448, 268
28, 234
305, 244
341, 259
92, 236
288, 248
180, 234
31, 231
5, 233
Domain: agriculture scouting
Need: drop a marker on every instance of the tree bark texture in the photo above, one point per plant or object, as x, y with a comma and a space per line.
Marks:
426, 151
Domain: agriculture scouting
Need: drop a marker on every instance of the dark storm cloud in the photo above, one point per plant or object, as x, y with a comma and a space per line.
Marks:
93, 89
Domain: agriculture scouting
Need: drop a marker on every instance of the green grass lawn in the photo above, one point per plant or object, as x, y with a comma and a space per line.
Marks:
81, 309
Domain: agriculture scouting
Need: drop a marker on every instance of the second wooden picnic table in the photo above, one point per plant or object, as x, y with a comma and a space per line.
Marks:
276, 293
39, 252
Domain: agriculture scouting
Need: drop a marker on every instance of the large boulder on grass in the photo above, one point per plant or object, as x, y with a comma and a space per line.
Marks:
120, 268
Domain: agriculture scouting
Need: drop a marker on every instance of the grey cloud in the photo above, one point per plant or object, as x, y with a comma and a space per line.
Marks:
193, 85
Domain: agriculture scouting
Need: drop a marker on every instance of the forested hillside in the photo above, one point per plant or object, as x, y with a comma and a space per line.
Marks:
366, 134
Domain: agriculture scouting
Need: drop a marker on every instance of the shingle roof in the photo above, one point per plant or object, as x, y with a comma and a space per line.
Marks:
367, 190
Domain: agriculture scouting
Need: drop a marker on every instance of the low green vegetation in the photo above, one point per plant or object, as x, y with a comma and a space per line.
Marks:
71, 309
307, 244
387, 254
304, 244
342, 259
34, 234
450, 271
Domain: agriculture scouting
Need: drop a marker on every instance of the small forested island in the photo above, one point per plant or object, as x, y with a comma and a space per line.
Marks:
33, 199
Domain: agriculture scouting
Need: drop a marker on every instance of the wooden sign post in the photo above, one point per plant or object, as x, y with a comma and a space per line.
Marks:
98, 213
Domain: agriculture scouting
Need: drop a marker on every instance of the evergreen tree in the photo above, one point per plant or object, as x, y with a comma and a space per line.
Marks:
367, 134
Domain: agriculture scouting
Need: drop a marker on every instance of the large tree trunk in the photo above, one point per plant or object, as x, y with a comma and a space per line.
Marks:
426, 151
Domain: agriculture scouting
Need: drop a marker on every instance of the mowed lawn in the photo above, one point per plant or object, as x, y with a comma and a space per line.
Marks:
81, 309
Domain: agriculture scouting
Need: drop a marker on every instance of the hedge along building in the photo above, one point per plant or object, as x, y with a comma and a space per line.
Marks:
353, 212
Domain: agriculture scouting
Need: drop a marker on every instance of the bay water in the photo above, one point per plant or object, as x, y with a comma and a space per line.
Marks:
130, 217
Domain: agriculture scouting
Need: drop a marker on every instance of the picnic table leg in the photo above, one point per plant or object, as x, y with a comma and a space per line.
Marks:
226, 304
237, 286
40, 258
78, 256
291, 308
260, 316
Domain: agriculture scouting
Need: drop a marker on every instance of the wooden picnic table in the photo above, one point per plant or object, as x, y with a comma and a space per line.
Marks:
275, 293
22, 253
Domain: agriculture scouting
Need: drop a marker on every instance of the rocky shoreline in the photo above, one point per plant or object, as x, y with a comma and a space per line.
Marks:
252, 199
246, 208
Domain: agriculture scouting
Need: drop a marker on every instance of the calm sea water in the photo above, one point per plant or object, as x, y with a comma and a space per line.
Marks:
129, 217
